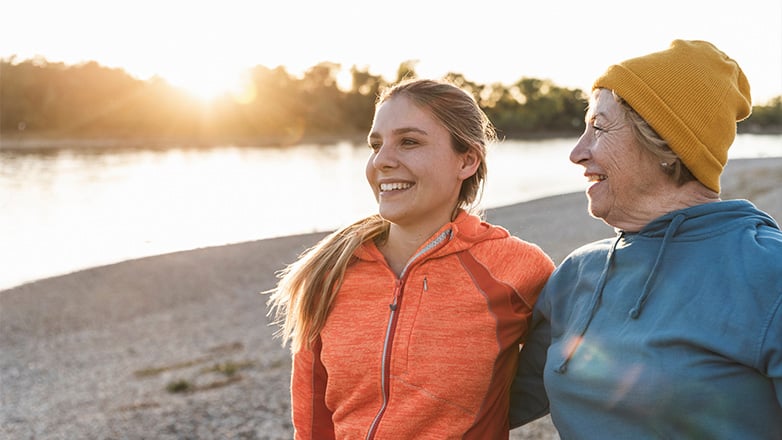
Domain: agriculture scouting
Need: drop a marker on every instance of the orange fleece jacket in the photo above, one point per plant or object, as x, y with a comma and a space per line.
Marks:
429, 355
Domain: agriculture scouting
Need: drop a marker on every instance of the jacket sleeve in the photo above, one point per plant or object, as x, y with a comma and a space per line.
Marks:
528, 400
311, 417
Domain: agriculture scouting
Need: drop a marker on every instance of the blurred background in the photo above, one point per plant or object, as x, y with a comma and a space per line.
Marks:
138, 128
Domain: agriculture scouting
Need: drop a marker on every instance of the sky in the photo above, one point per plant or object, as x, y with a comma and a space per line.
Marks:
205, 46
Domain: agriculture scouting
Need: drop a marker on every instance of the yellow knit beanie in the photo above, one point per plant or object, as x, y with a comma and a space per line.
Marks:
692, 95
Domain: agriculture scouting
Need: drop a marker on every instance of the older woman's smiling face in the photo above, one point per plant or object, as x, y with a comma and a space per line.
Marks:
627, 181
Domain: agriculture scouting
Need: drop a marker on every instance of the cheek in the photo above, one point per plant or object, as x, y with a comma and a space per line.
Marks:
370, 173
620, 157
369, 168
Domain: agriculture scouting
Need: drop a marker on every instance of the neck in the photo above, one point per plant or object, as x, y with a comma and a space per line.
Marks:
672, 198
401, 244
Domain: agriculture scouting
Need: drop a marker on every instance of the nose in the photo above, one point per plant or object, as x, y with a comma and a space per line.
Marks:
581, 152
384, 157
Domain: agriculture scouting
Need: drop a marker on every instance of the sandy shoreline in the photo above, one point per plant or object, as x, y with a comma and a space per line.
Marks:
91, 354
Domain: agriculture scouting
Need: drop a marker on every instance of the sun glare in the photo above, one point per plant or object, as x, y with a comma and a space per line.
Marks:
209, 84
345, 79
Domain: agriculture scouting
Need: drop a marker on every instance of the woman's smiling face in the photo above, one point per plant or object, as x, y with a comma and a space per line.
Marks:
414, 171
627, 179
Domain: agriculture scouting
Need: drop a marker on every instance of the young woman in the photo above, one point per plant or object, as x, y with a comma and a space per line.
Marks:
407, 324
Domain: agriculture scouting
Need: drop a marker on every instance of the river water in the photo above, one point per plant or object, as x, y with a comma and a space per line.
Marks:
69, 209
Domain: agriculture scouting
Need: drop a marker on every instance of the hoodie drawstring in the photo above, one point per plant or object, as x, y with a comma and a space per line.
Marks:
635, 312
596, 297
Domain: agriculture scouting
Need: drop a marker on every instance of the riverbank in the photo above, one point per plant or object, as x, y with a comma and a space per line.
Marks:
38, 143
34, 143
42, 142
179, 345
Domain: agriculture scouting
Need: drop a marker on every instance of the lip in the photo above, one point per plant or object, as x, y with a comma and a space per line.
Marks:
593, 177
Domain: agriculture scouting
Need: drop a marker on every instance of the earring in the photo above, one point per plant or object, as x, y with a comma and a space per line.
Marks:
664, 164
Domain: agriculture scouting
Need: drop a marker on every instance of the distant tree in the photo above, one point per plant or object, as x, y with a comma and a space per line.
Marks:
275, 112
764, 118
364, 83
360, 99
43, 99
537, 107
459, 80
406, 70
322, 100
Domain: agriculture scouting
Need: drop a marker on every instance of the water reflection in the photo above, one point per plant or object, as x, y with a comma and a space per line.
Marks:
64, 210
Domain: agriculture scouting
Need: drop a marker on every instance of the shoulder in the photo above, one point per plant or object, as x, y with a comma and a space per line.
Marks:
751, 234
500, 249
761, 257
769, 240
595, 249
591, 256
519, 263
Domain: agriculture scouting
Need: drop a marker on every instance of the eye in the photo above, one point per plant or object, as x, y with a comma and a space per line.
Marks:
374, 146
598, 130
409, 142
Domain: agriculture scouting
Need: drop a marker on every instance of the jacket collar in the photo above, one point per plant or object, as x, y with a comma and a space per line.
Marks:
461, 233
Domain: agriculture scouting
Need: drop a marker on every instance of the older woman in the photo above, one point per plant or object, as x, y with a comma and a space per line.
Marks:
672, 329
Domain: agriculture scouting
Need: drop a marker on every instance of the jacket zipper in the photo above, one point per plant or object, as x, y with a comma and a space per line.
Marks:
391, 330
386, 361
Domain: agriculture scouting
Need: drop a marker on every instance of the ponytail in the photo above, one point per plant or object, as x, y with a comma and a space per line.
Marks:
306, 289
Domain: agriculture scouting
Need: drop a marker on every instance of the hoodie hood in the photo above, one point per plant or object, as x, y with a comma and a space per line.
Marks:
709, 218
462, 233
697, 222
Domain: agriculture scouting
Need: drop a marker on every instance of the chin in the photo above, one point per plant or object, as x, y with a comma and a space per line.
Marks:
595, 211
390, 215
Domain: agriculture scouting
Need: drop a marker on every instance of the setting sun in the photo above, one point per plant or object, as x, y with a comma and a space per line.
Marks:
204, 86
211, 82
203, 47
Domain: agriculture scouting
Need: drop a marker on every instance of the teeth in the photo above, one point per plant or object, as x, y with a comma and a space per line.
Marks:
393, 186
597, 178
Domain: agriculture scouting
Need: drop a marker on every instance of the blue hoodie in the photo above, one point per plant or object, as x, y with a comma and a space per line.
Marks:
671, 332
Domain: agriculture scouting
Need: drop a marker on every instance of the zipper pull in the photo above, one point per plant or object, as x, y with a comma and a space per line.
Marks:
426, 285
397, 289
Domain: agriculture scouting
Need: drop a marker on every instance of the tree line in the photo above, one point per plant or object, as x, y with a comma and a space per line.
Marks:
40, 99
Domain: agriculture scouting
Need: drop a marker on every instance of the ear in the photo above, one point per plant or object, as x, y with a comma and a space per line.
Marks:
469, 165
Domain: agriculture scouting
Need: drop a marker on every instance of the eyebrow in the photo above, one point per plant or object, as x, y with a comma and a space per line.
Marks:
591, 116
400, 131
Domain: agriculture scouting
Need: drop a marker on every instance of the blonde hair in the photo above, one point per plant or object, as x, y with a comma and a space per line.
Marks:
306, 289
